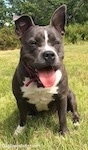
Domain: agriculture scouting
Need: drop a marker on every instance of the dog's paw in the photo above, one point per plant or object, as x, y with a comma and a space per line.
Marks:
76, 124
19, 130
64, 131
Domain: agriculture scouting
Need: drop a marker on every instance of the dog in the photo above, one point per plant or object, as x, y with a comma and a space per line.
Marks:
40, 82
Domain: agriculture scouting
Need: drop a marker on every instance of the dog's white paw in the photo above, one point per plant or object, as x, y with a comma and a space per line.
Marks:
77, 124
19, 130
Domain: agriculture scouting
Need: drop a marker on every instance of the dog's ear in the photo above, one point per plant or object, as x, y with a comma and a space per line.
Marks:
58, 19
22, 23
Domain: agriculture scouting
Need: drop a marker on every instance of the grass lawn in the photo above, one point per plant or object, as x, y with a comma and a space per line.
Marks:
42, 133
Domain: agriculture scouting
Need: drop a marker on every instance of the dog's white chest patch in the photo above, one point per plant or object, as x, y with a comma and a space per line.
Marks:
40, 97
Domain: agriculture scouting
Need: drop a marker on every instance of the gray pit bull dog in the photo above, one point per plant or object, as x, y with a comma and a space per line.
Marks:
40, 81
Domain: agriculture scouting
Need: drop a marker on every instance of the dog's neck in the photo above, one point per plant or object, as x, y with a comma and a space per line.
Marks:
32, 74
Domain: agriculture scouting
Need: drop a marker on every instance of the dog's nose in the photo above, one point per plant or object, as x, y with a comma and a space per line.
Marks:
49, 56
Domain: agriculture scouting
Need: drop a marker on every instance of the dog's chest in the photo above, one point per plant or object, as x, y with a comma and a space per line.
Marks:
40, 97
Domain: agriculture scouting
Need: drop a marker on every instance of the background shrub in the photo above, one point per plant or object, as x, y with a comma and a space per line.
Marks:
76, 33
8, 38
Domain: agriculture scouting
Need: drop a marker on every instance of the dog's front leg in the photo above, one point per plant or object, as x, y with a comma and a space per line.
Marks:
61, 103
23, 116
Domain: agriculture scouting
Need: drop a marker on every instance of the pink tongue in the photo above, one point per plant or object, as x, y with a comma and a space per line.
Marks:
47, 77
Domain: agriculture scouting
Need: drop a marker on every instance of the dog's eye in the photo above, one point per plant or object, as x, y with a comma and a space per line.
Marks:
57, 42
32, 42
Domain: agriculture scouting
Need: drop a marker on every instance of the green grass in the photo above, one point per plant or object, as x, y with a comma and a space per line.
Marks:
42, 133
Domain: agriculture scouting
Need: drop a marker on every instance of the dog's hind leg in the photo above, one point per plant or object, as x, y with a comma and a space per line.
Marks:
72, 106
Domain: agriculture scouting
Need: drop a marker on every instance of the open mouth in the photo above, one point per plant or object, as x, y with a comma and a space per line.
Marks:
47, 76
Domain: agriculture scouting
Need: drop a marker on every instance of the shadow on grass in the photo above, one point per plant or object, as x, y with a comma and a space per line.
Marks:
42, 122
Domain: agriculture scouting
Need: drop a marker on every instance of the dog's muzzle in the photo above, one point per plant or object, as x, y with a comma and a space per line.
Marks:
44, 69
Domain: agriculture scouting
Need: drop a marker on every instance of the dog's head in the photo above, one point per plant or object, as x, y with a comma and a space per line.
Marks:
42, 47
